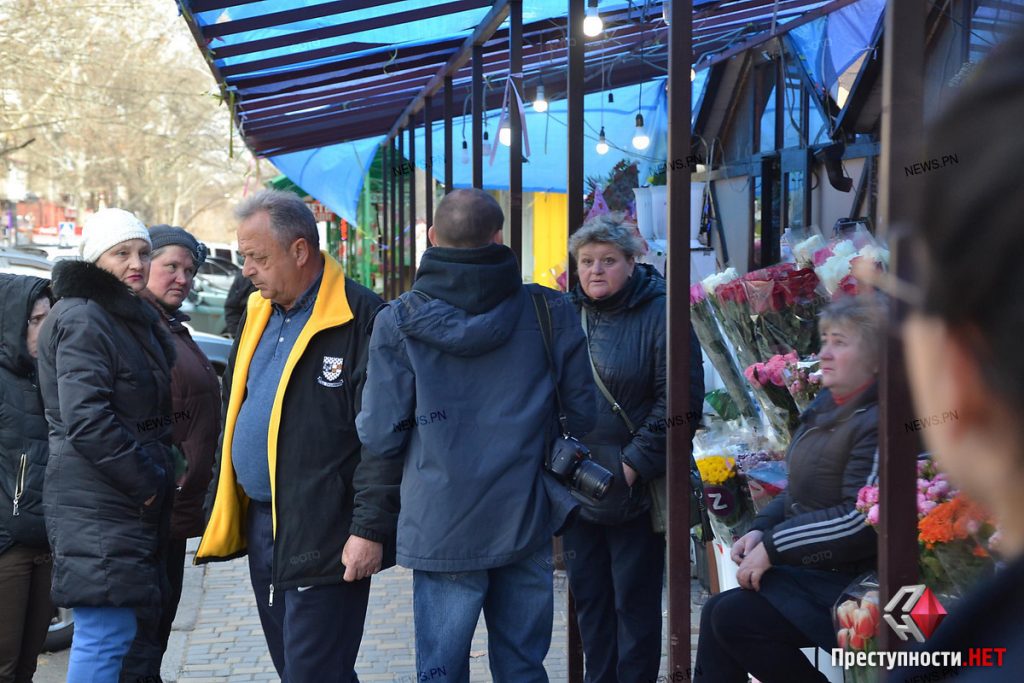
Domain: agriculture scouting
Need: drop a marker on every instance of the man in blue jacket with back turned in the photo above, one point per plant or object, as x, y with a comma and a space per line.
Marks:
459, 387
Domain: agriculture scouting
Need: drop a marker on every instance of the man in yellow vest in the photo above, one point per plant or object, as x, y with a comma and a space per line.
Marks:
291, 466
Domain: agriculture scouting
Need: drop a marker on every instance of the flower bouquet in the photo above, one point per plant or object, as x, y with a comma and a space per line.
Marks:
954, 535
856, 617
783, 305
704, 324
769, 387
804, 250
837, 265
766, 474
728, 300
957, 534
803, 381
724, 496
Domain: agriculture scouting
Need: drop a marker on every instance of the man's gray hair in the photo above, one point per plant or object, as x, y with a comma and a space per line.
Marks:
290, 217
610, 228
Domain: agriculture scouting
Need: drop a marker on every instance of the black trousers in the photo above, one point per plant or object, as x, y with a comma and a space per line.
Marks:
175, 568
741, 633
313, 634
25, 610
142, 663
615, 574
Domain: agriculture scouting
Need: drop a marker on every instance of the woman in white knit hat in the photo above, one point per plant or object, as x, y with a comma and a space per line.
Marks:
104, 371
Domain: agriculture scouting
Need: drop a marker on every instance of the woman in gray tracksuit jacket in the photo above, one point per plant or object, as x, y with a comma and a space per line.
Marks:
811, 541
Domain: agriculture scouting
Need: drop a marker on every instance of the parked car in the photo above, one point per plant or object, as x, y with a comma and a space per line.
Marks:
217, 272
62, 629
22, 262
205, 306
215, 347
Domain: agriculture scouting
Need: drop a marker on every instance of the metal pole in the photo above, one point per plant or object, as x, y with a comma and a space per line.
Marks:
901, 140
409, 259
394, 220
478, 116
574, 185
389, 199
449, 115
679, 444
382, 228
515, 156
428, 187
399, 241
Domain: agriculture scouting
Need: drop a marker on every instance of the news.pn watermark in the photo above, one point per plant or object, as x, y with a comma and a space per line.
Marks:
433, 674
931, 165
920, 423
915, 613
419, 420
163, 421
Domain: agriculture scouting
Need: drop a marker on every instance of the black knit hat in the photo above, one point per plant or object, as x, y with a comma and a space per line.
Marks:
166, 235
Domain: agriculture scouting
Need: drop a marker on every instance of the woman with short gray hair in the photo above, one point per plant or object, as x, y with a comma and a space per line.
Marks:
614, 556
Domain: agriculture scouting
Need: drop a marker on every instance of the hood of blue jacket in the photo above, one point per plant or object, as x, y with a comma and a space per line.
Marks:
464, 301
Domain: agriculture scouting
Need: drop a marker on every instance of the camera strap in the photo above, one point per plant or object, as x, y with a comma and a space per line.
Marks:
539, 301
616, 408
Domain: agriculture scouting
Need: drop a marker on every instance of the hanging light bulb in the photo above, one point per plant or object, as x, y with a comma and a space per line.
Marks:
611, 98
465, 152
540, 103
640, 139
505, 134
693, 74
592, 24
602, 144
486, 146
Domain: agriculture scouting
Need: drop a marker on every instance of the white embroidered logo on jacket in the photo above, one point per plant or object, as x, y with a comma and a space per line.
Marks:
329, 376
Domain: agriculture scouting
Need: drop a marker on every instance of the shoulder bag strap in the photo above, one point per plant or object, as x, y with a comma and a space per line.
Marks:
616, 408
544, 321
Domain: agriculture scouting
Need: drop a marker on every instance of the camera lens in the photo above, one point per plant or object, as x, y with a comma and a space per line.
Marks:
592, 480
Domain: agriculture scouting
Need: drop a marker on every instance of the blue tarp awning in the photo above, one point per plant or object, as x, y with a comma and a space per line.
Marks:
314, 85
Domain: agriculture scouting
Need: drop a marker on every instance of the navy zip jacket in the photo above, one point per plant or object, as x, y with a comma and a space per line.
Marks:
458, 387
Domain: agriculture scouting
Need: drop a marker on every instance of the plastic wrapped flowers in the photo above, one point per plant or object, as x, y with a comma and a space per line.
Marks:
726, 501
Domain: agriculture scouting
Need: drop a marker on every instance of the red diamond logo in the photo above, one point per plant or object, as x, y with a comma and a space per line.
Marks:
928, 613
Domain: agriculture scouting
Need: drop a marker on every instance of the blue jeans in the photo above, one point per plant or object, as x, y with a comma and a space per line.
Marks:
518, 605
102, 638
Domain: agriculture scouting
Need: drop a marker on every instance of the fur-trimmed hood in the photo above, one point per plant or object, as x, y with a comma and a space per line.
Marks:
86, 280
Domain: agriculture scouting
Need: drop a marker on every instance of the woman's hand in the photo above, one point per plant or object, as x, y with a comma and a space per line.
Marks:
150, 501
753, 567
744, 545
630, 474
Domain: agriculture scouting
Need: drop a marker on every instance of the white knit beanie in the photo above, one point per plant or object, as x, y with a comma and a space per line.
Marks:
108, 227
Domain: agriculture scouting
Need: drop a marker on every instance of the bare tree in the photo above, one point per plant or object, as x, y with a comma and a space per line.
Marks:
119, 107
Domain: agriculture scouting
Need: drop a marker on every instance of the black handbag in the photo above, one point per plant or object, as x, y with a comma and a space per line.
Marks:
657, 488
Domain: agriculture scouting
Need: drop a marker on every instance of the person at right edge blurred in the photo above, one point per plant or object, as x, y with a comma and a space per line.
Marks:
962, 344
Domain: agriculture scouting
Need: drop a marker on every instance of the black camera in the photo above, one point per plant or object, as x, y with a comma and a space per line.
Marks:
571, 464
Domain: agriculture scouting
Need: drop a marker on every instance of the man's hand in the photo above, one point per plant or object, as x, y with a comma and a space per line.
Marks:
630, 474
362, 558
753, 567
743, 545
